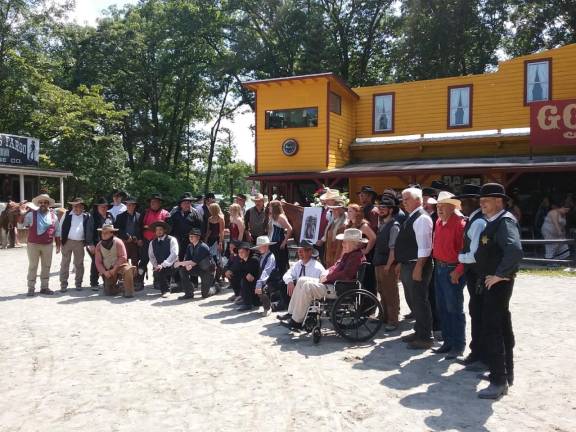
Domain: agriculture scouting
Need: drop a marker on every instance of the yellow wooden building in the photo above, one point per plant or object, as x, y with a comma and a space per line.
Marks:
314, 130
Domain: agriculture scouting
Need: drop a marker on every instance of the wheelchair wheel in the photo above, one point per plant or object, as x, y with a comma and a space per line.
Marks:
357, 315
316, 335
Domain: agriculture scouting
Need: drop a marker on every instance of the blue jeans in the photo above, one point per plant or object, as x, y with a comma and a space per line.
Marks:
450, 307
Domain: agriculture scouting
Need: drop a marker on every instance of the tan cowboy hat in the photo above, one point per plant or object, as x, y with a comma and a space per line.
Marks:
263, 241
77, 201
258, 197
340, 203
330, 194
352, 234
43, 197
108, 227
445, 197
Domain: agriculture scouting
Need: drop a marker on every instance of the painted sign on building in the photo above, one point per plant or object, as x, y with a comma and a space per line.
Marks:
18, 150
553, 123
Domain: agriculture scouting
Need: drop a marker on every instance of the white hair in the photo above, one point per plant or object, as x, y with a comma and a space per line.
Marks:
415, 193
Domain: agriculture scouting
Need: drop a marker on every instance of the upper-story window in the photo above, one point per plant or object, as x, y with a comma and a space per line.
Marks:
335, 103
292, 118
460, 106
383, 113
538, 78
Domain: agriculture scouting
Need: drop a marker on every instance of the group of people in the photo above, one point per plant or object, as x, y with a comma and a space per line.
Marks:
430, 240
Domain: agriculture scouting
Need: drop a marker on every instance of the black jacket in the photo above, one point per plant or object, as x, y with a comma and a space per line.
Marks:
121, 222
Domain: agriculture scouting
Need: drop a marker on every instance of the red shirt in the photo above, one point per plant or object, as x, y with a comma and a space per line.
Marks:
448, 240
346, 267
151, 216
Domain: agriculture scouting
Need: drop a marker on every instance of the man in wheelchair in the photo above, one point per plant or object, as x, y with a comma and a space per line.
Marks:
308, 289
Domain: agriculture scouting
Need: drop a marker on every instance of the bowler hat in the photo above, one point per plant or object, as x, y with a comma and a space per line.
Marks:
440, 185
494, 190
387, 201
468, 191
368, 190
100, 201
195, 232
157, 196
76, 201
162, 224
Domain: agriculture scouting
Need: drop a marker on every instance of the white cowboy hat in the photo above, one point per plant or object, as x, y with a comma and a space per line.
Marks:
330, 194
431, 200
445, 197
352, 234
107, 227
263, 241
43, 197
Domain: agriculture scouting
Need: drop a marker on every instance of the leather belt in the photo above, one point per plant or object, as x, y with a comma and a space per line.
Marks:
444, 263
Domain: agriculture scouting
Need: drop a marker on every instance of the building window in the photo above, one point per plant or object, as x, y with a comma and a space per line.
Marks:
537, 79
460, 106
383, 113
335, 103
292, 118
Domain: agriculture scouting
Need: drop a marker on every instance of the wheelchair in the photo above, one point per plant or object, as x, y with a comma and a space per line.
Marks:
355, 313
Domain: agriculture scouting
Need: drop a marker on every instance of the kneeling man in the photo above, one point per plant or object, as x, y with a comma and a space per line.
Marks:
111, 261
346, 268
197, 262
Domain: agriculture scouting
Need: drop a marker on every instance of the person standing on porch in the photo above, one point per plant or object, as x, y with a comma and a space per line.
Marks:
42, 224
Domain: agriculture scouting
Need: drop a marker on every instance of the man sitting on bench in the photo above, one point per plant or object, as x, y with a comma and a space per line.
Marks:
308, 288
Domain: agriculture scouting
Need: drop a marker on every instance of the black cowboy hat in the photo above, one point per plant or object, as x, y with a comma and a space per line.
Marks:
493, 190
77, 200
391, 194
388, 201
163, 224
440, 185
244, 245
195, 232
157, 196
130, 200
187, 196
210, 195
430, 191
306, 244
100, 201
368, 190
468, 191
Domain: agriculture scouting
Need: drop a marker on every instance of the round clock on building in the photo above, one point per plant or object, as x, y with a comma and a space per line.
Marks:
290, 147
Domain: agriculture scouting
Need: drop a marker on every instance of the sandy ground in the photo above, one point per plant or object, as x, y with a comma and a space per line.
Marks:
82, 362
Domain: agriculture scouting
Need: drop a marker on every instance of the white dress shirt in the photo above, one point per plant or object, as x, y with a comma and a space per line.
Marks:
172, 258
312, 268
266, 271
117, 209
76, 227
474, 235
423, 227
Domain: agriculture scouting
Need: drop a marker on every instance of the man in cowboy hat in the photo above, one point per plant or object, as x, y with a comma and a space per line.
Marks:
99, 217
209, 198
255, 218
118, 207
309, 288
475, 224
197, 262
153, 213
72, 232
412, 252
129, 231
42, 223
498, 257
248, 272
267, 267
182, 221
162, 253
240, 199
306, 266
111, 262
367, 197
448, 280
383, 261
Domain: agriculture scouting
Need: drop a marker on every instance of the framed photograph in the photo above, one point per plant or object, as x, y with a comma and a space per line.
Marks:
311, 224
383, 113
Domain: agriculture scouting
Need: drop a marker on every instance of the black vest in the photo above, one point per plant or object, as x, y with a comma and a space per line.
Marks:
381, 250
161, 249
67, 223
489, 253
467, 240
406, 248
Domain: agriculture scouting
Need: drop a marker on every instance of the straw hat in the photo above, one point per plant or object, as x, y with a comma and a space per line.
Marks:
43, 197
330, 194
445, 197
108, 227
263, 241
352, 234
